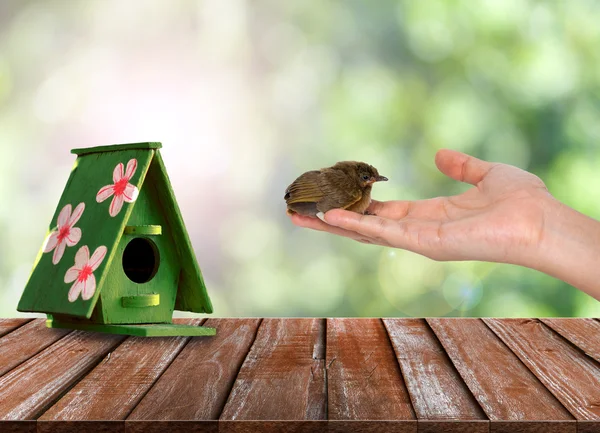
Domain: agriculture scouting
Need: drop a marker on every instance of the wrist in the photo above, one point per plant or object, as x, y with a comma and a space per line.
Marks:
569, 247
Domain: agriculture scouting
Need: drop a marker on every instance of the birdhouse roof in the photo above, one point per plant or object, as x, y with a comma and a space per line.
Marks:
88, 224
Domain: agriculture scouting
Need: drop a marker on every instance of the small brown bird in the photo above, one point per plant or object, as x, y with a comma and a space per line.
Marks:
346, 185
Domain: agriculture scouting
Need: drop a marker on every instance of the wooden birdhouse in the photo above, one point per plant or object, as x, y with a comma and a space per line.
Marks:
117, 257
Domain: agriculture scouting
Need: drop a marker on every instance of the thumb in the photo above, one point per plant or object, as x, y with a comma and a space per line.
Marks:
462, 167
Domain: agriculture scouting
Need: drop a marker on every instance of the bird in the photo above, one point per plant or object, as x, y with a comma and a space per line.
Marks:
345, 185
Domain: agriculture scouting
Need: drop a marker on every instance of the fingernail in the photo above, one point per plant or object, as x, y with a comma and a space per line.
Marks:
321, 216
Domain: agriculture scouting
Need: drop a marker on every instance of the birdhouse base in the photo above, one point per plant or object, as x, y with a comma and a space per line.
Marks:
143, 330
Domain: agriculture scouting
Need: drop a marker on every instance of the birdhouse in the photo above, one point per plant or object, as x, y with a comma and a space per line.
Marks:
117, 257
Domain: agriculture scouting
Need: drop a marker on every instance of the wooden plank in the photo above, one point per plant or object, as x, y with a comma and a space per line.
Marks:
283, 376
587, 427
379, 426
81, 426
331, 426
583, 333
197, 384
455, 426
504, 388
569, 374
364, 381
137, 330
25, 342
162, 426
8, 325
523, 426
113, 389
18, 427
35, 384
274, 427
116, 147
438, 394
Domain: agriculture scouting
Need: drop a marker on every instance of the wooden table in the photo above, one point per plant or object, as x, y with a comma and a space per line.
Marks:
304, 375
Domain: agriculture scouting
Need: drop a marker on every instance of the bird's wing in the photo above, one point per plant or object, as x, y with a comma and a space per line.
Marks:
339, 190
305, 189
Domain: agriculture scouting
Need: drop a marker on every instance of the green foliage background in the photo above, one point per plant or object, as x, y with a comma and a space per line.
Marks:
246, 95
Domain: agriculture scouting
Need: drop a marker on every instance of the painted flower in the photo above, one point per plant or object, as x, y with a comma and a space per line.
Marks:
83, 273
121, 189
65, 234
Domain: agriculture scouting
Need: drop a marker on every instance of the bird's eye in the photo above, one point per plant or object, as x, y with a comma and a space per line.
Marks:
365, 177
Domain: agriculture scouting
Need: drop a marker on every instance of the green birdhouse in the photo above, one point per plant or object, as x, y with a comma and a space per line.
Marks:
117, 257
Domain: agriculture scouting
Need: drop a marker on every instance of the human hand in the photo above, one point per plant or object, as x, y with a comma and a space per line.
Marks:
501, 219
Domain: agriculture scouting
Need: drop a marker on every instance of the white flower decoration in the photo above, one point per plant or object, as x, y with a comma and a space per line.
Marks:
83, 273
122, 190
65, 234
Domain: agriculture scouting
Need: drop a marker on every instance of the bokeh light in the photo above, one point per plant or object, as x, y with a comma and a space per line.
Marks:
245, 96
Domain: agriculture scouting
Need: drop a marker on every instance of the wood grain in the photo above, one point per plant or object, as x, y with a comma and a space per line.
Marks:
588, 426
380, 426
80, 426
8, 325
25, 342
173, 426
364, 381
583, 333
570, 375
273, 426
114, 388
18, 427
331, 426
35, 384
504, 388
197, 384
453, 426
437, 391
273, 376
533, 426
283, 376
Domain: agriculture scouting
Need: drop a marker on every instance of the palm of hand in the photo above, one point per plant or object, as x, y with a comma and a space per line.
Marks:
500, 219
502, 214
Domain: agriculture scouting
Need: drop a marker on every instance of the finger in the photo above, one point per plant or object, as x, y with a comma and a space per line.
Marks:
389, 209
371, 226
317, 224
462, 167
416, 235
429, 209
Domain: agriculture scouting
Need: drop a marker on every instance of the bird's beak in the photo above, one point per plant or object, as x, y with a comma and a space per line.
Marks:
377, 179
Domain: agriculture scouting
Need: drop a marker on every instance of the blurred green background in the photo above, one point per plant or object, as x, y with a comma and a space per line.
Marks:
246, 95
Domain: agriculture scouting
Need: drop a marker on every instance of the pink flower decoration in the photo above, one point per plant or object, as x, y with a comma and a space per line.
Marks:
65, 234
83, 273
121, 189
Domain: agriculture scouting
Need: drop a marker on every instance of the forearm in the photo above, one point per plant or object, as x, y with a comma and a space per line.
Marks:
569, 248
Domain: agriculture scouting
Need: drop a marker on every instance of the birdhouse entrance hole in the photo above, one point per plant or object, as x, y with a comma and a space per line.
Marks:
140, 260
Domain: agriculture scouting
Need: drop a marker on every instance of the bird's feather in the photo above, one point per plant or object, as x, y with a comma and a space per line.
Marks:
304, 189
338, 191
327, 188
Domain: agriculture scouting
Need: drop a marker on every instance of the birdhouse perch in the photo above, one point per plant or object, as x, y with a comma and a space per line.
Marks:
117, 257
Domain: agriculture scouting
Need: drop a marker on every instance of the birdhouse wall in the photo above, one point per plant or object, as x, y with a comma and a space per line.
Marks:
192, 295
70, 269
110, 308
